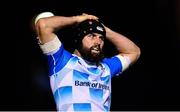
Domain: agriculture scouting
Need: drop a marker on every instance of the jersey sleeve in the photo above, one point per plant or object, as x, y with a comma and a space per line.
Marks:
56, 55
117, 64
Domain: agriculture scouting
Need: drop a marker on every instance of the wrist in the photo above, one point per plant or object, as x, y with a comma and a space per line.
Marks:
108, 32
75, 19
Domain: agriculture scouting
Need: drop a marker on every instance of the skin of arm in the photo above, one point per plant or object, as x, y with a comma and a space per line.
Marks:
124, 45
46, 27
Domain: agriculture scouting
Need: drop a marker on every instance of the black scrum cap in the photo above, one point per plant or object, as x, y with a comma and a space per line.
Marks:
86, 27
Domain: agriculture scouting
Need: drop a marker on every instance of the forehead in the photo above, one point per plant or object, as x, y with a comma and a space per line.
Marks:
96, 34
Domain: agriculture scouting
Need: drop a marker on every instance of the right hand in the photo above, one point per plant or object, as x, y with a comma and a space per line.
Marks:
85, 16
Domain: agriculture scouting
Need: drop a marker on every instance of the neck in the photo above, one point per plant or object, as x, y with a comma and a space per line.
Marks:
76, 52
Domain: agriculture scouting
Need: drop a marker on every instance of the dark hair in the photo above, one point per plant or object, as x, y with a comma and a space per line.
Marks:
87, 27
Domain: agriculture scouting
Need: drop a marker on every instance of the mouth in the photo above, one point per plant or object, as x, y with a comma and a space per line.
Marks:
95, 49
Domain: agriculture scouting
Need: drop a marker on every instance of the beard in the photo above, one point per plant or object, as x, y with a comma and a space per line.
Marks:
94, 54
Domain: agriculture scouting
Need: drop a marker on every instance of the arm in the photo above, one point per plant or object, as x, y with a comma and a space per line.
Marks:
125, 47
46, 27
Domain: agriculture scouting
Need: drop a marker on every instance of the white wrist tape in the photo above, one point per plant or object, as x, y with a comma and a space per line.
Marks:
43, 15
125, 61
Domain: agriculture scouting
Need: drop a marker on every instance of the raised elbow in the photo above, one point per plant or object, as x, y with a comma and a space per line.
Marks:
138, 52
42, 26
41, 23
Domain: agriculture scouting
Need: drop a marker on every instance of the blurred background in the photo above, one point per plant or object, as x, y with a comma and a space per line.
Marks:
153, 83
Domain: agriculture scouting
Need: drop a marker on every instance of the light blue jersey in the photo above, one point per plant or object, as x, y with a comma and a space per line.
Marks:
78, 85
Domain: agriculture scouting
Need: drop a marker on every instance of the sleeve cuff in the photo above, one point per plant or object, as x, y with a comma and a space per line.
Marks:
125, 61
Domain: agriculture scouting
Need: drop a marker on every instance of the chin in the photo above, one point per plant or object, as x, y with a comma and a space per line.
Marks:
96, 57
91, 56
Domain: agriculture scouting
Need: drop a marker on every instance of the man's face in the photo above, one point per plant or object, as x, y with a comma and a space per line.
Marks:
92, 47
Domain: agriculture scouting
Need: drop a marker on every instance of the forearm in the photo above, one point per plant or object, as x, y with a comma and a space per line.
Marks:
46, 27
124, 45
57, 22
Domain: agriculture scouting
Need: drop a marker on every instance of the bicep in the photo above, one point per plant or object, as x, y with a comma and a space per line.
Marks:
45, 33
42, 27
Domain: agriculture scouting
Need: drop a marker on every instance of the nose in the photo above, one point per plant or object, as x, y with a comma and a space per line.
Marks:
97, 39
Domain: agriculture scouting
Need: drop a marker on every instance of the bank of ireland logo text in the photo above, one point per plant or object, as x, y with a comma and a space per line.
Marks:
91, 85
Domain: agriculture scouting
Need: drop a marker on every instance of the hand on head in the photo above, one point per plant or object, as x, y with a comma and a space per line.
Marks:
85, 16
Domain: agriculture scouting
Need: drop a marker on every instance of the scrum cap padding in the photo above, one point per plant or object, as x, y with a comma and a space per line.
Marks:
89, 26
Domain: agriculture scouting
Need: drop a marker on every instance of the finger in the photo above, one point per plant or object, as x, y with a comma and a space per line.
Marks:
84, 14
93, 17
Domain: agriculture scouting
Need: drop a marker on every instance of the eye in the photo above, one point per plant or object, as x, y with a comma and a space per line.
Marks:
91, 35
101, 37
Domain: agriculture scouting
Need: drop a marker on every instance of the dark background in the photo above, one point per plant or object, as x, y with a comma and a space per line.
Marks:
153, 82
